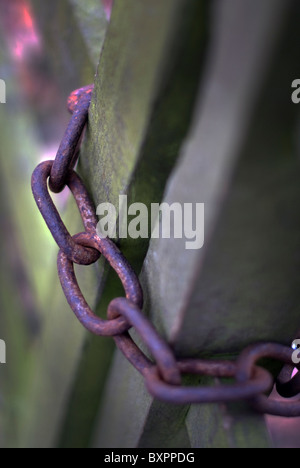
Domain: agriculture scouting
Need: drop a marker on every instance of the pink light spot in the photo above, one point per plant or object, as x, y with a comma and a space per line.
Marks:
19, 27
28, 22
18, 50
107, 4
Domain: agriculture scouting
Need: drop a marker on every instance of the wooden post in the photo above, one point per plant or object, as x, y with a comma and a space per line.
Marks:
230, 293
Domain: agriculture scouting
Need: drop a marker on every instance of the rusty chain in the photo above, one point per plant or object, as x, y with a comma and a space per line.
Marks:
163, 374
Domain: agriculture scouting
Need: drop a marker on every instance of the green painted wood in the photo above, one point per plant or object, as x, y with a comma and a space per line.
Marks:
225, 426
92, 22
230, 292
243, 282
217, 303
128, 90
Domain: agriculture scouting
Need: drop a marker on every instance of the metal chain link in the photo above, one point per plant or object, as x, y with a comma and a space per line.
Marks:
162, 374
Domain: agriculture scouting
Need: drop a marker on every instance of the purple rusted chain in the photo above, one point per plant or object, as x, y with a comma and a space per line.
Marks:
74, 251
133, 354
165, 388
79, 103
118, 263
172, 393
284, 409
260, 381
286, 385
74, 295
261, 403
77, 95
158, 347
258, 351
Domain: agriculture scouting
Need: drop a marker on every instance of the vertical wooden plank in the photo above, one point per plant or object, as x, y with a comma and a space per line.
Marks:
236, 289
128, 87
92, 23
219, 281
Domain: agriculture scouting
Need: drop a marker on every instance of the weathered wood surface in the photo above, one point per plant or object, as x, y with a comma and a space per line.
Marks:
231, 292
236, 289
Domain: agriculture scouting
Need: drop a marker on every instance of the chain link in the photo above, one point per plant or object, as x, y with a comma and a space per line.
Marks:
66, 158
163, 372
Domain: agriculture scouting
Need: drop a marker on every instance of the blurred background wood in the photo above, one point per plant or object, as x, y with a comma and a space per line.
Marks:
43, 348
